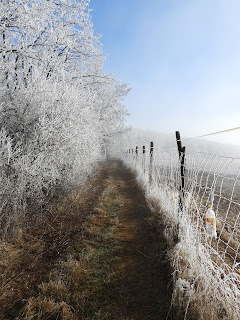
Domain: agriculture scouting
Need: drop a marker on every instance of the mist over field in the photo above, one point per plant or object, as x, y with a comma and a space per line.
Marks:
166, 142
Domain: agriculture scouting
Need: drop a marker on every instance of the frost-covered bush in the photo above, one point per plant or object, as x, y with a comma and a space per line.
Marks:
58, 108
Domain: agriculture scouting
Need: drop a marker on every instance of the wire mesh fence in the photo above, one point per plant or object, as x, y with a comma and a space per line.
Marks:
209, 181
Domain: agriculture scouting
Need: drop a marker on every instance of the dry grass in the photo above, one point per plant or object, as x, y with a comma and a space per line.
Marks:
78, 285
26, 262
40, 308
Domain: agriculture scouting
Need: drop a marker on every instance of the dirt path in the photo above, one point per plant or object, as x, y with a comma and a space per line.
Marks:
103, 256
145, 289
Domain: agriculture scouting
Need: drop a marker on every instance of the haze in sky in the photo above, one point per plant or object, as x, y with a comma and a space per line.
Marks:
181, 59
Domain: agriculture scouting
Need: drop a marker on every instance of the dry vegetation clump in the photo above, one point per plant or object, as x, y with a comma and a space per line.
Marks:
47, 309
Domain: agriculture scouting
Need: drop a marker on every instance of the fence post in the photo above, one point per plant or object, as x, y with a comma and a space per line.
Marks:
136, 157
143, 161
181, 153
151, 163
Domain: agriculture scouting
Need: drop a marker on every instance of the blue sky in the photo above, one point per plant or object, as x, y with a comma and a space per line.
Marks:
181, 59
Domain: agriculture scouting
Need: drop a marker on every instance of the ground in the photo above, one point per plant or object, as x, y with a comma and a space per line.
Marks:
102, 256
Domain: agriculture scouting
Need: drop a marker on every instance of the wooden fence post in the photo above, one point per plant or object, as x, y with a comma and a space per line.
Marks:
151, 163
143, 161
181, 153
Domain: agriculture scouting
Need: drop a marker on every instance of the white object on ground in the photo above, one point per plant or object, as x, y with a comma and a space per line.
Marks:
211, 223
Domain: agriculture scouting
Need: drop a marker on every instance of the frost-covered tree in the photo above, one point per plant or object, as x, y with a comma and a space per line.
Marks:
57, 106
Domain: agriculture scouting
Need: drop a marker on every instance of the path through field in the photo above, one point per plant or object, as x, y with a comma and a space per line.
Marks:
144, 291
105, 259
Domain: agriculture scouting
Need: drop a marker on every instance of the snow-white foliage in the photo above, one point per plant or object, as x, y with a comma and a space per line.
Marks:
58, 108
206, 272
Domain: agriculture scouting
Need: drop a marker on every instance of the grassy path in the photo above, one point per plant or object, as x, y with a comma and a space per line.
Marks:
143, 291
112, 265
